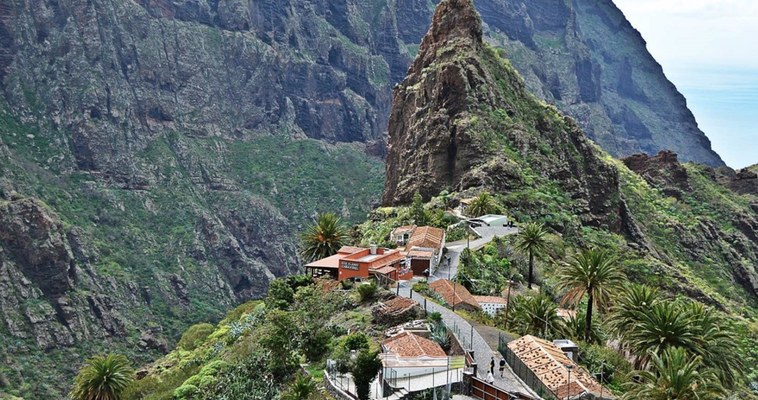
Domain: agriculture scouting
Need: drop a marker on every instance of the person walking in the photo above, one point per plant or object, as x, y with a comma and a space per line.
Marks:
490, 378
492, 365
502, 366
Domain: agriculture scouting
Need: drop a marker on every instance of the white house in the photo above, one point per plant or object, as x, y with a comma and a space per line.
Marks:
490, 304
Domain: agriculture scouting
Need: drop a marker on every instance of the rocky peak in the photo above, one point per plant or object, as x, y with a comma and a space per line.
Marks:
453, 21
662, 171
462, 119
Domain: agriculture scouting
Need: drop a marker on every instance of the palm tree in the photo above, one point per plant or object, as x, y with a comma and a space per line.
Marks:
633, 300
322, 238
482, 204
594, 273
102, 378
301, 389
576, 329
675, 375
532, 240
536, 316
715, 343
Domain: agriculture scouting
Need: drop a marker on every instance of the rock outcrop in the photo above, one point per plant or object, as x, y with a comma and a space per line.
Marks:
662, 171
585, 57
462, 118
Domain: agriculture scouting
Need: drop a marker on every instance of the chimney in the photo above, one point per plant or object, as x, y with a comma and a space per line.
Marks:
373, 249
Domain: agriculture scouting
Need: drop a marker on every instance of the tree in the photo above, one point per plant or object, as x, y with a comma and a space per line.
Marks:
536, 316
594, 273
633, 300
301, 389
364, 369
277, 336
322, 238
417, 212
675, 375
648, 325
102, 378
532, 240
280, 295
482, 204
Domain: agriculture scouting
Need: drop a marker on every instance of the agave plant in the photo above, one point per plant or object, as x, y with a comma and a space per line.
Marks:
440, 335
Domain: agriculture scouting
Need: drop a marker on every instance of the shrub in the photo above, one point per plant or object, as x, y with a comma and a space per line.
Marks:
434, 317
356, 341
185, 391
367, 292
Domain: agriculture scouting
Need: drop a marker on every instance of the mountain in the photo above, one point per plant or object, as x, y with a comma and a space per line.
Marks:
157, 158
585, 57
463, 122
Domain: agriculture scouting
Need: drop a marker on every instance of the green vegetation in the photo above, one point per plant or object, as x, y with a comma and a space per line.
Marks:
675, 375
593, 273
482, 204
102, 378
255, 352
532, 240
323, 238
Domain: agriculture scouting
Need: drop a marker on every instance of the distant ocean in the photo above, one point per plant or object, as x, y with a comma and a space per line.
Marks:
725, 103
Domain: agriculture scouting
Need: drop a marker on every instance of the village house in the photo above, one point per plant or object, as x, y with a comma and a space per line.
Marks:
455, 295
490, 304
545, 368
423, 248
413, 363
360, 263
402, 234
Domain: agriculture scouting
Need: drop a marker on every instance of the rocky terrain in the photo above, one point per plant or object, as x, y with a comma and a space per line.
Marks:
463, 121
170, 150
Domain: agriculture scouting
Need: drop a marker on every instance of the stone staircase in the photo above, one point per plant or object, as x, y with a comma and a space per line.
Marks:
401, 394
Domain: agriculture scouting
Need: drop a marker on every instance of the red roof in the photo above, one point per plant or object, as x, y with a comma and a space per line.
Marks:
462, 296
403, 229
426, 237
489, 299
548, 363
329, 262
410, 345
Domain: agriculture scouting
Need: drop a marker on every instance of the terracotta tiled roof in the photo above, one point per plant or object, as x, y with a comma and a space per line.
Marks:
398, 304
329, 262
350, 250
548, 363
462, 296
489, 299
420, 254
403, 229
387, 258
384, 270
410, 345
426, 237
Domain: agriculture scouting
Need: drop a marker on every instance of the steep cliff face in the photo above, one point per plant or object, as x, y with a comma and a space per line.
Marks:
585, 57
462, 119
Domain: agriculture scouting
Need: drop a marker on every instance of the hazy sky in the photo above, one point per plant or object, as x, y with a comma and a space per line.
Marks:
709, 49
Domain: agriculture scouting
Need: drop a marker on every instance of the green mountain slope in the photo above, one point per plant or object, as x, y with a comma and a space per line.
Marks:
88, 265
463, 121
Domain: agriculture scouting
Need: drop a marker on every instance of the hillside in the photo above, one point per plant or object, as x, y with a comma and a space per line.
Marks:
157, 158
463, 121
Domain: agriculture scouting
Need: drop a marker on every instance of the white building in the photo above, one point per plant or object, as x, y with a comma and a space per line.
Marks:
490, 304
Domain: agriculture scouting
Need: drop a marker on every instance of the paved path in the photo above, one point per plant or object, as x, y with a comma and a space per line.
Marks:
482, 350
454, 249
